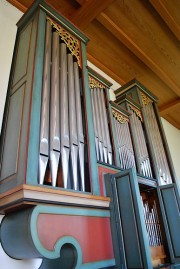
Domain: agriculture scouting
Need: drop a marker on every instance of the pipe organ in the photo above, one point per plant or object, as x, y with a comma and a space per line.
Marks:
62, 128
124, 140
100, 120
73, 164
150, 145
157, 143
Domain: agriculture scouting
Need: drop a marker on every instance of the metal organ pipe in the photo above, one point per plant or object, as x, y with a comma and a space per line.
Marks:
95, 124
100, 121
102, 125
44, 128
152, 224
97, 115
106, 129
125, 147
79, 124
65, 141
72, 122
61, 131
145, 168
157, 145
54, 111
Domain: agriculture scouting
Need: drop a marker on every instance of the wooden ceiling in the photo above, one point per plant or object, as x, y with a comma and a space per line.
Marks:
131, 39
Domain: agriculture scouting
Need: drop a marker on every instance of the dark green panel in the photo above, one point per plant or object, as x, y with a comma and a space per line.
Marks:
67, 259
11, 144
129, 234
129, 227
172, 212
16, 237
33, 148
22, 54
27, 104
90, 132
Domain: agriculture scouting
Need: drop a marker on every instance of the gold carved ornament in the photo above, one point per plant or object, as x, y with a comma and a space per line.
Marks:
93, 83
119, 117
71, 42
137, 111
145, 100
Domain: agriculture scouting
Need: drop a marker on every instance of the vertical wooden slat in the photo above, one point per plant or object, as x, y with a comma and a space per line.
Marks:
90, 127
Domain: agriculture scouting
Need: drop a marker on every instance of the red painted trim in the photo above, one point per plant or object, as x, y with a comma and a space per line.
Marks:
101, 171
92, 233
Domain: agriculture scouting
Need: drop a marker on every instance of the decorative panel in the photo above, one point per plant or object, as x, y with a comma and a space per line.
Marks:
11, 145
21, 63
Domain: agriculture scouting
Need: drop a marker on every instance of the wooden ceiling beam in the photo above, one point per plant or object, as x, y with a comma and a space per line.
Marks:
169, 12
107, 22
168, 108
105, 69
88, 11
18, 5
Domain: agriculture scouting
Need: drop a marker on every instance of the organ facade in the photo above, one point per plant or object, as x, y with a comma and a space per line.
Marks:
83, 180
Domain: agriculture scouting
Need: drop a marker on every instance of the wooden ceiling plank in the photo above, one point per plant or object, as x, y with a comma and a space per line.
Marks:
127, 41
171, 120
105, 69
170, 107
166, 14
107, 49
18, 5
88, 12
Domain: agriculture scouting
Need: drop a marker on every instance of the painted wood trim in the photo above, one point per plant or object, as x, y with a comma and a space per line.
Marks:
90, 127
64, 22
33, 148
128, 86
120, 108
7, 101
110, 167
140, 219
99, 78
27, 194
160, 190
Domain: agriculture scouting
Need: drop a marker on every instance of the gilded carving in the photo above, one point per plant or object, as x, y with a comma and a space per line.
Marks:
137, 111
145, 100
119, 117
72, 43
93, 83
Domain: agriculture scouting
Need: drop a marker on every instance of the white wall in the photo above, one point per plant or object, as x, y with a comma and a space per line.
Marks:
8, 19
173, 139
9, 16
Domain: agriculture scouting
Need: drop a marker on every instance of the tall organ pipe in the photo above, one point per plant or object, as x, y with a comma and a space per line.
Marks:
102, 124
97, 115
65, 143
158, 145
72, 122
95, 124
44, 128
106, 129
79, 124
54, 111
